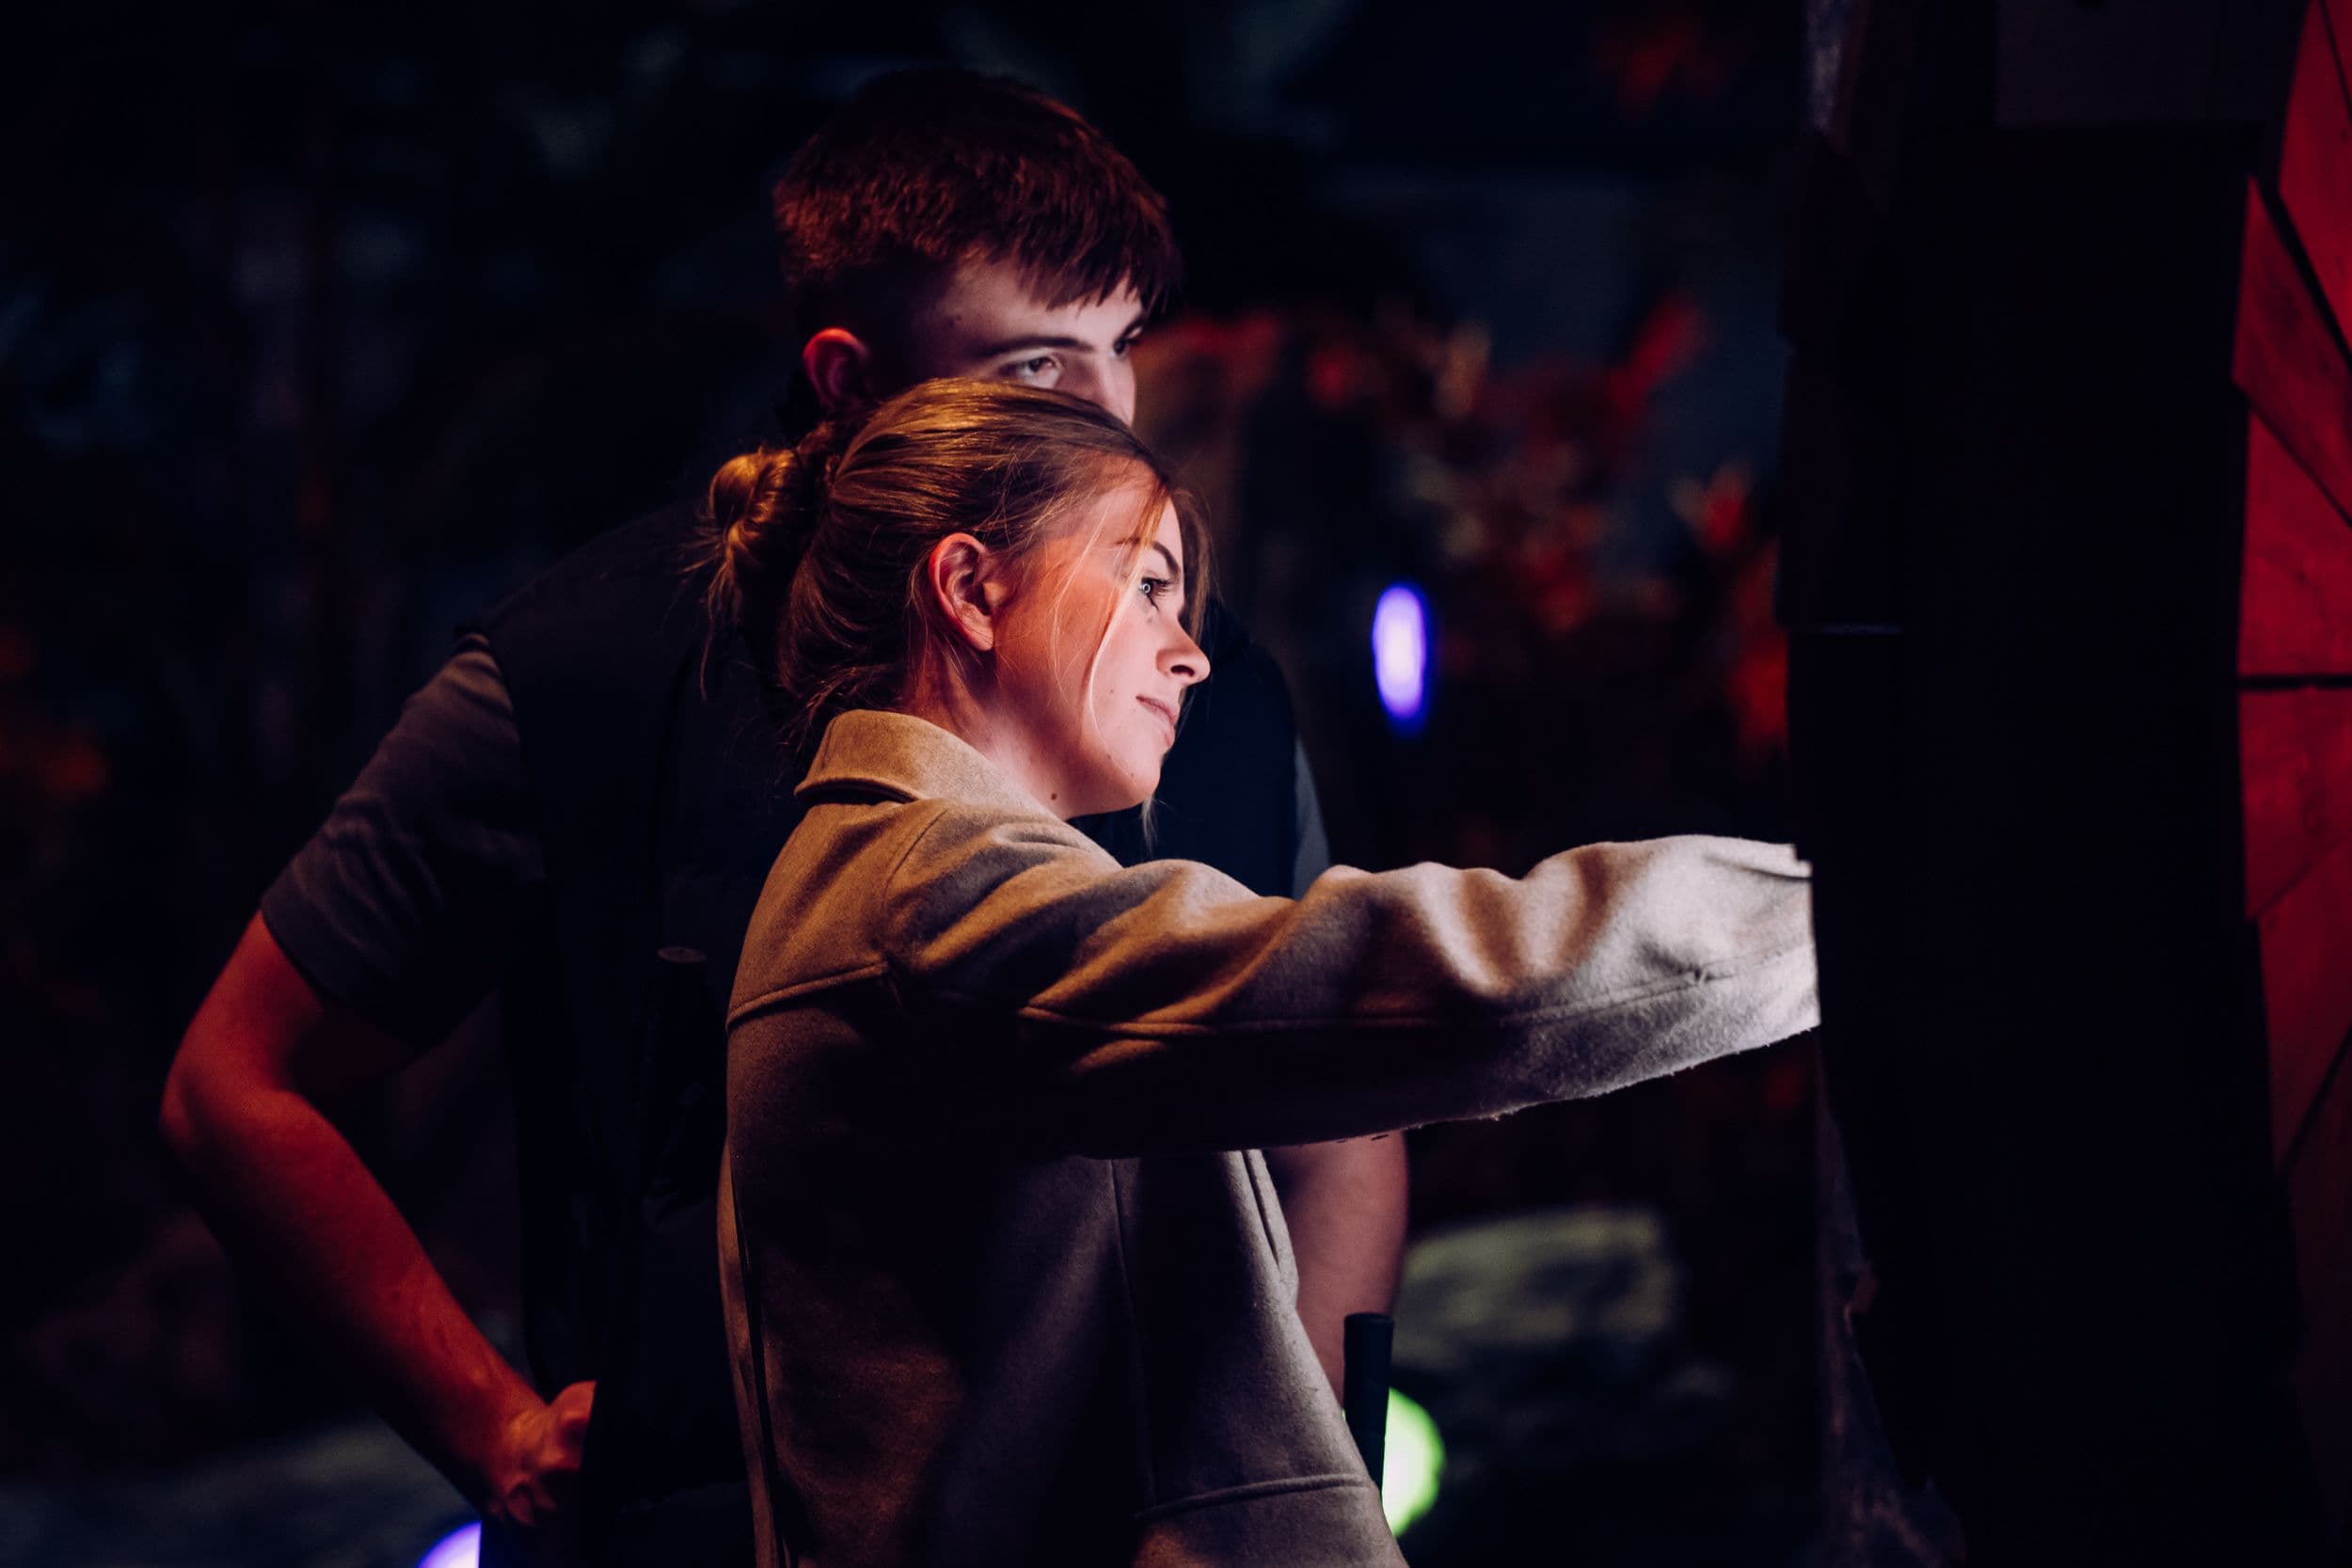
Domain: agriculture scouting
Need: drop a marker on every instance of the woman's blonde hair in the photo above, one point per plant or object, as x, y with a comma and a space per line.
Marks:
819, 548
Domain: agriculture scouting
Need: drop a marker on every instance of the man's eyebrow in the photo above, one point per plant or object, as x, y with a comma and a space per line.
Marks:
1006, 345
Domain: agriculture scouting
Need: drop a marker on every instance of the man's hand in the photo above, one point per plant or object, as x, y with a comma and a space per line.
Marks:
536, 1483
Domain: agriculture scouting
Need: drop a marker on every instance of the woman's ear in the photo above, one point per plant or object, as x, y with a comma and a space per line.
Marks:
840, 367
960, 575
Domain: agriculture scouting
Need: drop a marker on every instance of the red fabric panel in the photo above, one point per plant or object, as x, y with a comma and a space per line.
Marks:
2315, 163
2287, 360
2339, 26
2294, 606
2295, 759
2307, 987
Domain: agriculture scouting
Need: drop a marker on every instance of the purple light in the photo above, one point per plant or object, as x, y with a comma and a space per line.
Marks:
460, 1548
1400, 653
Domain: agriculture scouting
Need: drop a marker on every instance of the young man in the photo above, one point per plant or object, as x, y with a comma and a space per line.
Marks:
586, 782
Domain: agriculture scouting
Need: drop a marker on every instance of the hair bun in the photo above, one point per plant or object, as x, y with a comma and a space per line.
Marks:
763, 508
805, 479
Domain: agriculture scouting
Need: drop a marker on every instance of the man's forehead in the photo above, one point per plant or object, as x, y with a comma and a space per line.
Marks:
995, 299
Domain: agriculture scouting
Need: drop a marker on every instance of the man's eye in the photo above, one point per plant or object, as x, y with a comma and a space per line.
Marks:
1043, 369
1126, 345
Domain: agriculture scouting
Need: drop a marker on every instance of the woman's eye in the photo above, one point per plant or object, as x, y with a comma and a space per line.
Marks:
1152, 587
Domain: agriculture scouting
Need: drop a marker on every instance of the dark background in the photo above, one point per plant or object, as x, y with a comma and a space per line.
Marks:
320, 329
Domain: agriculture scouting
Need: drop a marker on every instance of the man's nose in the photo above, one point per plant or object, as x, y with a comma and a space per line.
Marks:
1110, 386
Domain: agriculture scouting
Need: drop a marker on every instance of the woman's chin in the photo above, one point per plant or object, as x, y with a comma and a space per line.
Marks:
1122, 794
1136, 789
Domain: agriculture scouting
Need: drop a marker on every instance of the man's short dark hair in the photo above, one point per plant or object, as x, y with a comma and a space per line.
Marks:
923, 171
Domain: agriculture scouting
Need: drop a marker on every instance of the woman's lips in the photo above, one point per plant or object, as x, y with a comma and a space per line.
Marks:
1166, 714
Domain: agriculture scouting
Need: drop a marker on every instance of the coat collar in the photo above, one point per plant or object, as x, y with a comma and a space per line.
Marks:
871, 750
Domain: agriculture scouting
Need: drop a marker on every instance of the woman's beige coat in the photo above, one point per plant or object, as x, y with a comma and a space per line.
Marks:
1010, 1288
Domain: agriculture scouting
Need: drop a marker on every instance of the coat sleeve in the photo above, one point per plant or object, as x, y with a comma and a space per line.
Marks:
1112, 1011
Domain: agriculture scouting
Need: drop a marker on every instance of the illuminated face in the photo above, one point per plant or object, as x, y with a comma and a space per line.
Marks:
986, 325
1085, 715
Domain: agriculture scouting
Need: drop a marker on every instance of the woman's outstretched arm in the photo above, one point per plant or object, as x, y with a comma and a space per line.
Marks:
1162, 1006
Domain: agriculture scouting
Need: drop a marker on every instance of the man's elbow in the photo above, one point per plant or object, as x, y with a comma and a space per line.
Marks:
246, 1044
184, 1119
212, 1097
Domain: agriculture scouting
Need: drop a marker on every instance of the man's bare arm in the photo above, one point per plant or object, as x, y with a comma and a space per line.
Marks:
1344, 1204
246, 1111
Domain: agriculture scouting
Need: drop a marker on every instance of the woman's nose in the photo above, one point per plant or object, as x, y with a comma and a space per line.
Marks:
1185, 661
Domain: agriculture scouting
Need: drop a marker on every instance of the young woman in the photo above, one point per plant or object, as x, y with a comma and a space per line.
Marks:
1004, 1283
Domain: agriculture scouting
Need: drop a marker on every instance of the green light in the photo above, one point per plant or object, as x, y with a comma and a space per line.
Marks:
1408, 1479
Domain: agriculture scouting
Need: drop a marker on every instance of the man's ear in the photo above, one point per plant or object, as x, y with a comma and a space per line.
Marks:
839, 366
960, 576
